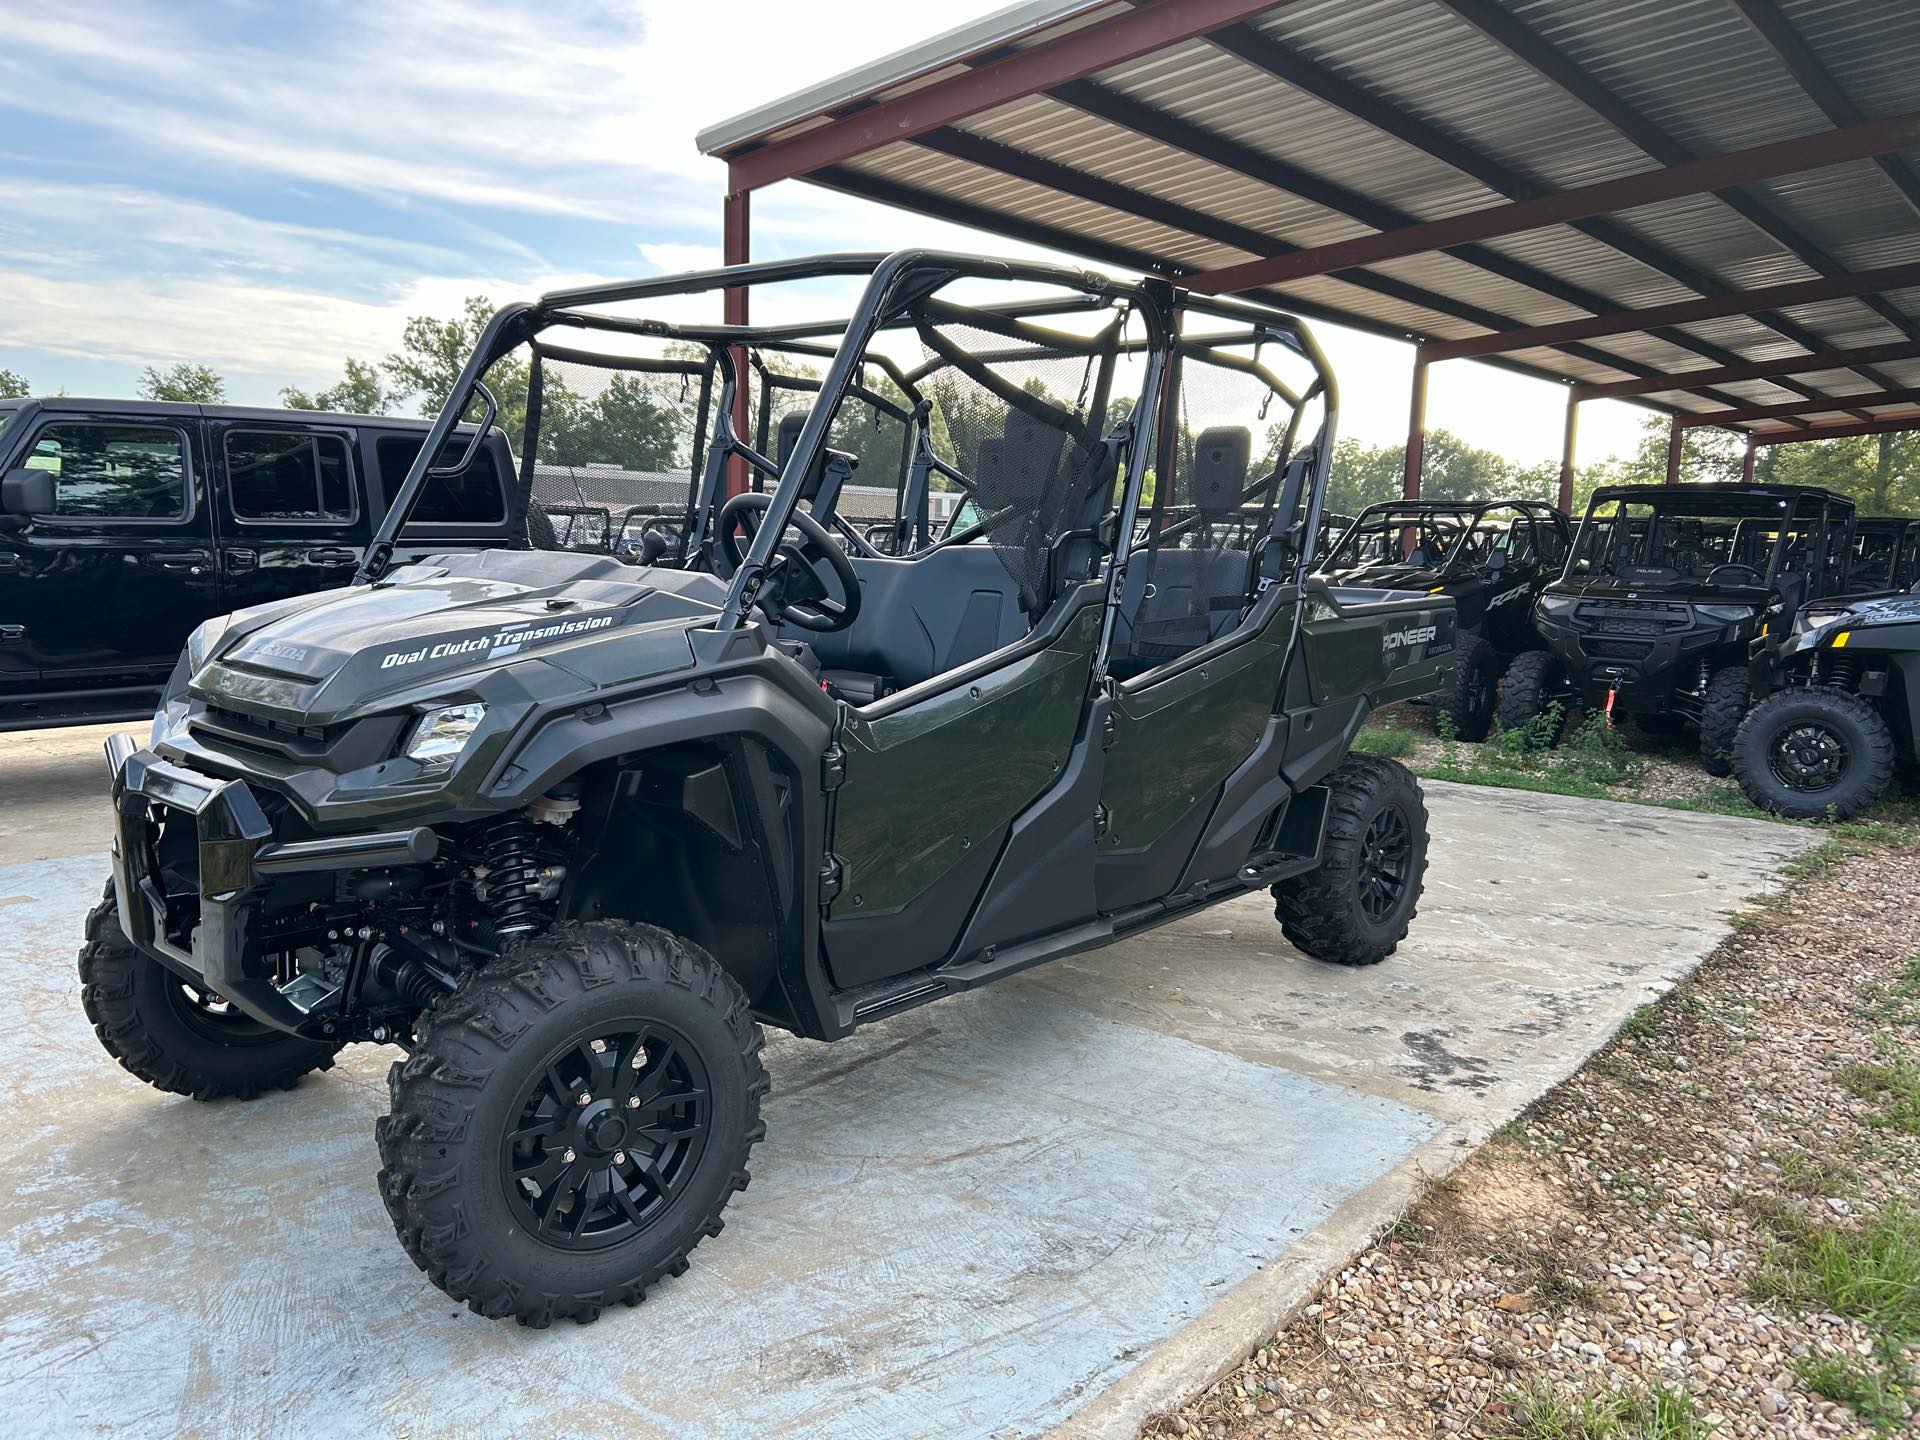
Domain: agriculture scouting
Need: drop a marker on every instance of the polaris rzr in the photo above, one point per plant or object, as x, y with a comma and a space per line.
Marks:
1666, 589
1842, 708
1491, 556
568, 830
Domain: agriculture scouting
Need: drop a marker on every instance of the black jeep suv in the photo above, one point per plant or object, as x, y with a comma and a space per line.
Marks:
1666, 589
125, 524
1492, 556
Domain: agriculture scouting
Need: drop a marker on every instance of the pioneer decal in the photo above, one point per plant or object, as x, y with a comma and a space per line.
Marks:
507, 640
1413, 635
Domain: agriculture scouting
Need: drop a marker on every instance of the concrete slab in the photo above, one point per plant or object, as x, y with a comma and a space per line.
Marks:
1057, 1203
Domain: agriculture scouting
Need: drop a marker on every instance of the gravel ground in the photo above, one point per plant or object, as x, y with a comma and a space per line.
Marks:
1615, 1239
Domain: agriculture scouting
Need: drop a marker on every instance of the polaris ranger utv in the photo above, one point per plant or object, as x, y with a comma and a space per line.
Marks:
569, 830
1842, 707
1492, 556
1666, 589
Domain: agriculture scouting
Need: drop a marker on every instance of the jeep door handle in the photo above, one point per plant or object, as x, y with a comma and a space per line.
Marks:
13, 634
332, 555
238, 560
9, 564
189, 560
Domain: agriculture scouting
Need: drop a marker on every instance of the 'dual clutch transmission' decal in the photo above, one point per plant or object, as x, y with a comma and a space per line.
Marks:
505, 641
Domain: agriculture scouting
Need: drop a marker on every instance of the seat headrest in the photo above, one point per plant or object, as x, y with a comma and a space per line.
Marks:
1218, 479
791, 425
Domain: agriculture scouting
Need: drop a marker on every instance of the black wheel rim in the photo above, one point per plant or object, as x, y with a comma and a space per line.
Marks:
1386, 863
606, 1136
1808, 756
213, 1016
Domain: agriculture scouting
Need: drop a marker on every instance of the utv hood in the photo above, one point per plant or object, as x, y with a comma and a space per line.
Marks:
434, 624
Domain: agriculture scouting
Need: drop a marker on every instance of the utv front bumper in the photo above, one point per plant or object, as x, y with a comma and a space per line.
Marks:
211, 938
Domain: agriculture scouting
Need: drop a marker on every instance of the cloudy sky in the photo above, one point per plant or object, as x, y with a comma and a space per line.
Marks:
267, 188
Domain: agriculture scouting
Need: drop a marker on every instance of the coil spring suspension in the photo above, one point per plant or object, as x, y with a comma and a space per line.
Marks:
1840, 670
521, 875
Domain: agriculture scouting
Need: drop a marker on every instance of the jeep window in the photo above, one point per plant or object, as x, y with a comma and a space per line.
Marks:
287, 475
476, 498
118, 472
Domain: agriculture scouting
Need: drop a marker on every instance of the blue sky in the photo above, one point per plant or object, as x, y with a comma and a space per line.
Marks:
268, 188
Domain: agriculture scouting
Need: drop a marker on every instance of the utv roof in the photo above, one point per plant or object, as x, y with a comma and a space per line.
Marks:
1459, 505
1868, 523
1720, 499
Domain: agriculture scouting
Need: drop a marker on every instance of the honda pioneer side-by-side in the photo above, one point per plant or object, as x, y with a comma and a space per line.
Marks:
1841, 708
1666, 590
569, 830
1492, 557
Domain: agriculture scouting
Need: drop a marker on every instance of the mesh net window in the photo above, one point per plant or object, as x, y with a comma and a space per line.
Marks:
1218, 492
618, 448
1024, 420
871, 426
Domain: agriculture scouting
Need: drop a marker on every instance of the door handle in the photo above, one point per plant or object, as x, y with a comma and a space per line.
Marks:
12, 634
332, 555
242, 559
188, 560
9, 564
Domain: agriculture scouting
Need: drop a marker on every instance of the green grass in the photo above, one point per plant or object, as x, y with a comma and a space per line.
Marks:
1880, 1393
1893, 1085
1383, 737
1539, 1412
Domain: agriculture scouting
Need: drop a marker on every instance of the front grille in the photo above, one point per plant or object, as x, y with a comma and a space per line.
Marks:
1633, 617
254, 732
1621, 649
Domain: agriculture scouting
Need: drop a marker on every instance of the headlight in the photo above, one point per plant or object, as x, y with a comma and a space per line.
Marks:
204, 641
440, 735
1556, 605
1726, 614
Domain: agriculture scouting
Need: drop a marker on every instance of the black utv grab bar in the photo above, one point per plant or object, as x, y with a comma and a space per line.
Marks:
418, 846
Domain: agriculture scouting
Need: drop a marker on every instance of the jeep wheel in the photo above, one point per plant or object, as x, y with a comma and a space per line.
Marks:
1467, 704
1721, 711
572, 1122
1813, 753
1355, 908
178, 1037
1529, 692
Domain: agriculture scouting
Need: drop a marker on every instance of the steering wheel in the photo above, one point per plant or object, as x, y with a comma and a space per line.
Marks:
1713, 575
794, 593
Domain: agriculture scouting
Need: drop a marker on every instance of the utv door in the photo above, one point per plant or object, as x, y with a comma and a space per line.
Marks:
290, 515
103, 593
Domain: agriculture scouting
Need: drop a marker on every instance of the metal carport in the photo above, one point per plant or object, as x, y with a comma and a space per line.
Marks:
1709, 206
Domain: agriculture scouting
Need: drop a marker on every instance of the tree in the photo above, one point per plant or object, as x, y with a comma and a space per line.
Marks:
13, 385
359, 392
191, 384
432, 354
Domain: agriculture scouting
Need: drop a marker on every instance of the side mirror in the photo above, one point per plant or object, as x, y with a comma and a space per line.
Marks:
28, 492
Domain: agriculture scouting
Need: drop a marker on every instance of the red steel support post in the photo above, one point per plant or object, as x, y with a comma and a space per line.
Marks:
1567, 444
1416, 429
736, 248
1676, 437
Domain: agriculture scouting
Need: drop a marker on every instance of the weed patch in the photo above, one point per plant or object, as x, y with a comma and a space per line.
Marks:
1540, 1412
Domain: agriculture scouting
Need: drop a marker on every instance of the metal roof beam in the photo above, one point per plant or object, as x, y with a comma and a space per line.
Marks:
1265, 53
1825, 91
1230, 154
1693, 177
1507, 29
1682, 312
960, 212
1797, 409
1018, 75
1823, 359
1899, 425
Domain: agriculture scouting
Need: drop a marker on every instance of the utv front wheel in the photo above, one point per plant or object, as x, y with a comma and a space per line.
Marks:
1466, 705
177, 1036
1722, 709
1530, 691
1813, 753
1354, 909
572, 1122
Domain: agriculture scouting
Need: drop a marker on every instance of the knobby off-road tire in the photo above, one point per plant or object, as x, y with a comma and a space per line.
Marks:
1468, 702
660, 1042
1354, 909
1722, 709
1810, 753
174, 1037
1528, 690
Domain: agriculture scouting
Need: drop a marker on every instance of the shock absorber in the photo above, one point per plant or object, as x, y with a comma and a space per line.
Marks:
518, 875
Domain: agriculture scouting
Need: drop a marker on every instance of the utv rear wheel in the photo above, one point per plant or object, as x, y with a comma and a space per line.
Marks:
1529, 692
1813, 753
572, 1122
1466, 705
1355, 908
176, 1036
1721, 711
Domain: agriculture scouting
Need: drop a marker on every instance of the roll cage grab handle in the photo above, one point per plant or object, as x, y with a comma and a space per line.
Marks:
518, 321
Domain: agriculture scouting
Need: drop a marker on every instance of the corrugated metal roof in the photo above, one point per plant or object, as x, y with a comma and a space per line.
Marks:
1319, 121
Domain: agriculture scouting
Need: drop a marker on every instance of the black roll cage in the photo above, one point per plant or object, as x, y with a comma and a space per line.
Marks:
897, 282
1741, 504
